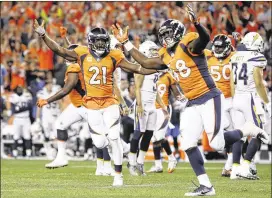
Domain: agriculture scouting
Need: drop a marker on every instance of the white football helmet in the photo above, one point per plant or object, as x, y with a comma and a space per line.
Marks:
253, 41
149, 48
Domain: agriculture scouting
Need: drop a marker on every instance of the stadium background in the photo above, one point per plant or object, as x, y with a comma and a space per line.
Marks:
27, 61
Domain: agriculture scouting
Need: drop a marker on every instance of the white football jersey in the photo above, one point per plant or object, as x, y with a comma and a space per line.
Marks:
52, 109
243, 63
20, 104
149, 88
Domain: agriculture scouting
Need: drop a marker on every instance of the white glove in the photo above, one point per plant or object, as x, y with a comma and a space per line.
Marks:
39, 29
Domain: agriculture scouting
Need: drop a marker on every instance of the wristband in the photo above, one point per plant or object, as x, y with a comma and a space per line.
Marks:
128, 46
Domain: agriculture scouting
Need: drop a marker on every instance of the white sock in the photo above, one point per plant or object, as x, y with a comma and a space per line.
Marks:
28, 152
228, 164
132, 159
204, 180
158, 163
15, 153
141, 157
171, 157
90, 152
107, 164
99, 163
61, 148
117, 151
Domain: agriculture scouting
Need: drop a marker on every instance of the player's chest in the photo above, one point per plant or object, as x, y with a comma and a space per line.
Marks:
180, 62
98, 67
220, 70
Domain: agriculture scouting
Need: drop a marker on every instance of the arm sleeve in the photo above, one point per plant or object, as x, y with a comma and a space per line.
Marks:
201, 42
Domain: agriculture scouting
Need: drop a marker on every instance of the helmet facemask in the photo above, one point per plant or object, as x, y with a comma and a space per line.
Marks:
170, 33
221, 49
99, 44
166, 37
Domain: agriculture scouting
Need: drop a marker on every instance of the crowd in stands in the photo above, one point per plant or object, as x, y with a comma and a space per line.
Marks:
27, 61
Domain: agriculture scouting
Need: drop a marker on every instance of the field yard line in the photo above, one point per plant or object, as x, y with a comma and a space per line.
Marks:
91, 187
182, 168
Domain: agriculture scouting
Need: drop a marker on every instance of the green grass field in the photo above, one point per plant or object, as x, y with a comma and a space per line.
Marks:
25, 179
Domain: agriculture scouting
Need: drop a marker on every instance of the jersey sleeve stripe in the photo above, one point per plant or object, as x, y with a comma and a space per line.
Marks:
259, 58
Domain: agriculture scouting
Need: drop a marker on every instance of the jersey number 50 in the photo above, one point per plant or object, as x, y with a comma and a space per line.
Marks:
95, 70
216, 74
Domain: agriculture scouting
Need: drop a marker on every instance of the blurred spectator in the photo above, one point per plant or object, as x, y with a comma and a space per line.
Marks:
24, 56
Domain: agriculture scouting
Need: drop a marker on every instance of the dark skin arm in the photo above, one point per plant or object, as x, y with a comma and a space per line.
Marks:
135, 68
148, 63
68, 86
69, 55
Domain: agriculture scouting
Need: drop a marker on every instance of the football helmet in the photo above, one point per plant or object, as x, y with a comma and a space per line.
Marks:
99, 41
170, 32
253, 42
149, 48
221, 46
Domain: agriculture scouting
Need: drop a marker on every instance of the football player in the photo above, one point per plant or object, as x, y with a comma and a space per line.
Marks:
204, 111
145, 113
98, 62
247, 86
218, 60
47, 116
20, 104
166, 84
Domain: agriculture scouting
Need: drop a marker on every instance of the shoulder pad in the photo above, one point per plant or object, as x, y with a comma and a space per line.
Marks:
189, 37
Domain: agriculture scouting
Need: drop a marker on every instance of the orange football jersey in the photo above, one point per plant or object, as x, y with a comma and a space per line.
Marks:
77, 94
98, 76
194, 77
163, 86
220, 71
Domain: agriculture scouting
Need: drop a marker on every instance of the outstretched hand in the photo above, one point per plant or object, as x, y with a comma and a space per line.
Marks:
119, 34
191, 13
39, 29
41, 103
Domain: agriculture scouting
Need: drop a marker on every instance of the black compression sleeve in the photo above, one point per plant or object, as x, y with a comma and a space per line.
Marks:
201, 42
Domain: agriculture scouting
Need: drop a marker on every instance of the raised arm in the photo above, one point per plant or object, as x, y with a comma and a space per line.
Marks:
68, 86
56, 48
135, 68
198, 45
149, 63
